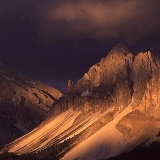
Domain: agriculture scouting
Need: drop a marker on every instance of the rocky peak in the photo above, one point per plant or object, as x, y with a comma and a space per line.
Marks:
120, 79
107, 83
118, 61
119, 49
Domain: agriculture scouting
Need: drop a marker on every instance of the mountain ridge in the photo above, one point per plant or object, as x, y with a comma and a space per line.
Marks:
23, 103
116, 104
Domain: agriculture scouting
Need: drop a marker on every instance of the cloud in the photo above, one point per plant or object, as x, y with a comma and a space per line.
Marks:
124, 19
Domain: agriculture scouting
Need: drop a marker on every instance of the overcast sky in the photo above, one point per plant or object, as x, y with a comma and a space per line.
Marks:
57, 40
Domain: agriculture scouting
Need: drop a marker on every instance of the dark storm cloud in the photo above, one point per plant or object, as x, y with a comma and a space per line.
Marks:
126, 19
57, 40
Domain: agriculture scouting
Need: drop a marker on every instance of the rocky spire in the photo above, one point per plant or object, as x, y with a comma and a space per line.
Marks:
70, 85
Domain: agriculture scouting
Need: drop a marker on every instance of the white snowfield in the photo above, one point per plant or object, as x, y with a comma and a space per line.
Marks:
105, 143
54, 130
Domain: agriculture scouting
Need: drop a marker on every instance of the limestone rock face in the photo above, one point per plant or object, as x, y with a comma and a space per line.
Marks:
146, 78
137, 127
107, 83
23, 104
107, 71
119, 79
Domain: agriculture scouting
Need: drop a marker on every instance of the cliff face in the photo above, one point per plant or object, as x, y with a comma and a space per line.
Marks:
146, 78
117, 80
23, 104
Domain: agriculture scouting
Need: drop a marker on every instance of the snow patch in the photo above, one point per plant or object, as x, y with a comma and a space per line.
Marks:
9, 79
85, 93
31, 82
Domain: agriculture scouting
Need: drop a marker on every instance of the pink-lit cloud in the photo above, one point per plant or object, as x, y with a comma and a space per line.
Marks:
120, 19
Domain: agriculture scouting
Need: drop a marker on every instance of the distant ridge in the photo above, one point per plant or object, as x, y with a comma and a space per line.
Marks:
23, 103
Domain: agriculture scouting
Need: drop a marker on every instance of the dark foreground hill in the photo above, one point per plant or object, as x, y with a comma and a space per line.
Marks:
23, 104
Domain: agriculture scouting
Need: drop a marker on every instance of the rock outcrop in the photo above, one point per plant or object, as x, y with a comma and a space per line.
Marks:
146, 78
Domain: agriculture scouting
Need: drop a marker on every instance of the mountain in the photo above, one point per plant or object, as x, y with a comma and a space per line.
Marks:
23, 104
112, 109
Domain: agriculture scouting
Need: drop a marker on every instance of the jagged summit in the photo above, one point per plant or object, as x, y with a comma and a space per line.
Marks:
114, 56
117, 79
120, 48
105, 72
